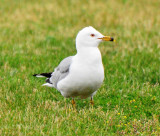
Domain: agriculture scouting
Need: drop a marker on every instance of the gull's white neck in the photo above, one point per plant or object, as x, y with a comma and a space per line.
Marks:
89, 55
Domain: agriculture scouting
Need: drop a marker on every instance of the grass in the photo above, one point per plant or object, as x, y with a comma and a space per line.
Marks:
36, 35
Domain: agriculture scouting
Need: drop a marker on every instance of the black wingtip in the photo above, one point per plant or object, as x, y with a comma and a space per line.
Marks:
48, 75
48, 81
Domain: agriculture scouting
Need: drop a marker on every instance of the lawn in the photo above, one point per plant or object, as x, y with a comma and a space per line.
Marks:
35, 35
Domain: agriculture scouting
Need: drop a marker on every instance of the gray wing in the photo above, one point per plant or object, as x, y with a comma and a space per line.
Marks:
61, 71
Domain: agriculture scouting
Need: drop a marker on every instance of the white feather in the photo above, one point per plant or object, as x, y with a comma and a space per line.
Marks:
39, 76
48, 84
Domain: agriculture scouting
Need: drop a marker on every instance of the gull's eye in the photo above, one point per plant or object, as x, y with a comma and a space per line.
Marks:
92, 35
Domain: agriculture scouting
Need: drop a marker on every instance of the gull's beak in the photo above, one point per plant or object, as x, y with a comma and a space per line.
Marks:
107, 38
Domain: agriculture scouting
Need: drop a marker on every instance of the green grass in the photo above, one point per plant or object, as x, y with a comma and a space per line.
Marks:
36, 35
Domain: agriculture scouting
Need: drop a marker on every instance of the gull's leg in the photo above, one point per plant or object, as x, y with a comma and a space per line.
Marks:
91, 101
73, 102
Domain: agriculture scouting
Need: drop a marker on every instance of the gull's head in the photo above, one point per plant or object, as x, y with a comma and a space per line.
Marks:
90, 37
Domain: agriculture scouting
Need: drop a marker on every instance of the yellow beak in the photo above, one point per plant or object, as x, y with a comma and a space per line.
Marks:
107, 38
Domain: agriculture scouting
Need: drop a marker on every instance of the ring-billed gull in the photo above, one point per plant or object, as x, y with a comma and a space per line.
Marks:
80, 75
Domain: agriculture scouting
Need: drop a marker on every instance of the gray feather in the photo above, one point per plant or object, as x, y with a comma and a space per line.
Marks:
61, 71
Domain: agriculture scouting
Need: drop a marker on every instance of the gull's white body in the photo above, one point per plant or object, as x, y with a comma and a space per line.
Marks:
80, 75
85, 76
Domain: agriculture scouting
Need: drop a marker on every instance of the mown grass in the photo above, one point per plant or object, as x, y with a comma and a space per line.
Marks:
37, 35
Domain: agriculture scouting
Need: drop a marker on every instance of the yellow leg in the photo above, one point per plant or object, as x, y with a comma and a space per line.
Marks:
91, 101
73, 102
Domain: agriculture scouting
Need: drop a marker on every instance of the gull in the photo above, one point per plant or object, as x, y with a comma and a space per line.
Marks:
80, 75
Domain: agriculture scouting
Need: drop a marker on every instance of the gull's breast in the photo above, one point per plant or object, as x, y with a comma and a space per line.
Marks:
83, 79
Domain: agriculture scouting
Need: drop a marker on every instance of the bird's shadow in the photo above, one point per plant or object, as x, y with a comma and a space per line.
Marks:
80, 103
54, 95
